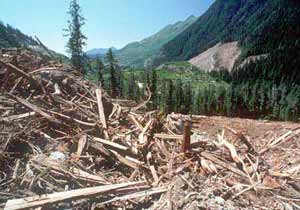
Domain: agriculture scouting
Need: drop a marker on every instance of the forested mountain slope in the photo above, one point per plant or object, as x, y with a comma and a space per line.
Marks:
267, 85
139, 54
260, 26
11, 37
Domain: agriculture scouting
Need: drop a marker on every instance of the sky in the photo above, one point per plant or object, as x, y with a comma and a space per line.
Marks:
108, 22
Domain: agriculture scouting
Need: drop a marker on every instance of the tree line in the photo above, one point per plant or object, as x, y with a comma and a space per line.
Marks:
268, 88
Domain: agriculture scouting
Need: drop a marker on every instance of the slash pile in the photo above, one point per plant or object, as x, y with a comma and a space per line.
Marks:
65, 144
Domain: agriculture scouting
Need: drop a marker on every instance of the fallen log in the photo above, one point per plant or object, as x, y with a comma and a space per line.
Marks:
223, 164
24, 74
36, 109
39, 201
18, 117
144, 193
168, 136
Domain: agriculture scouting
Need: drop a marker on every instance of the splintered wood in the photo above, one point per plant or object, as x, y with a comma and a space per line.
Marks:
101, 109
65, 144
41, 200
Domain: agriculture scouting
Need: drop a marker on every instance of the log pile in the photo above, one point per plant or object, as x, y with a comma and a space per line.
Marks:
65, 144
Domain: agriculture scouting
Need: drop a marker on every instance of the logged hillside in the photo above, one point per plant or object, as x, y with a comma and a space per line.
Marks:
260, 26
12, 37
65, 144
139, 54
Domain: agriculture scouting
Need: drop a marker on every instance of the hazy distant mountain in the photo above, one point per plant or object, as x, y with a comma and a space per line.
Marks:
93, 53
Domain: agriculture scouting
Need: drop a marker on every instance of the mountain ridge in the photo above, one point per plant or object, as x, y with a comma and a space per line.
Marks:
11, 37
138, 53
259, 26
95, 52
141, 54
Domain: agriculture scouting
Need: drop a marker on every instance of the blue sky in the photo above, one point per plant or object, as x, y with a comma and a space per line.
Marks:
108, 22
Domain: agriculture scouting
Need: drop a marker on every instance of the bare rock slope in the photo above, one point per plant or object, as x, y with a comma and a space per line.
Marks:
221, 56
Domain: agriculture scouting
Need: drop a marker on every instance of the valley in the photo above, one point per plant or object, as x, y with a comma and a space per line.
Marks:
202, 114
142, 54
238, 52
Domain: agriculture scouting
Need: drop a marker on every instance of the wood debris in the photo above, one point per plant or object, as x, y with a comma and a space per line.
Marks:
65, 144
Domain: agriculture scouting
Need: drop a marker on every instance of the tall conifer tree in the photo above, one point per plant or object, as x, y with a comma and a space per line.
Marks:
169, 97
153, 88
112, 65
76, 38
100, 69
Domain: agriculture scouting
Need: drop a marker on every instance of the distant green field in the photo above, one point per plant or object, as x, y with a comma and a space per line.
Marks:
182, 71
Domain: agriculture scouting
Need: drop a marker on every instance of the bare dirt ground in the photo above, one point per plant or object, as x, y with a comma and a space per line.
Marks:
255, 129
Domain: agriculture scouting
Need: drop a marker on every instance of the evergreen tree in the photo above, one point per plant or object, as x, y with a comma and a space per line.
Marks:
112, 65
179, 97
120, 82
187, 99
76, 38
228, 101
100, 68
169, 97
131, 86
153, 88
147, 79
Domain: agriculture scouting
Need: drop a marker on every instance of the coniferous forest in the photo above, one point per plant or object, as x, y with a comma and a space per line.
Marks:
268, 88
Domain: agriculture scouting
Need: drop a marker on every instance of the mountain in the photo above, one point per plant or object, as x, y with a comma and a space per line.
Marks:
11, 37
138, 54
259, 41
259, 27
94, 53
265, 79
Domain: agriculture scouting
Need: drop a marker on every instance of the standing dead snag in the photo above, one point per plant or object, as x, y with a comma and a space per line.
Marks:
186, 137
